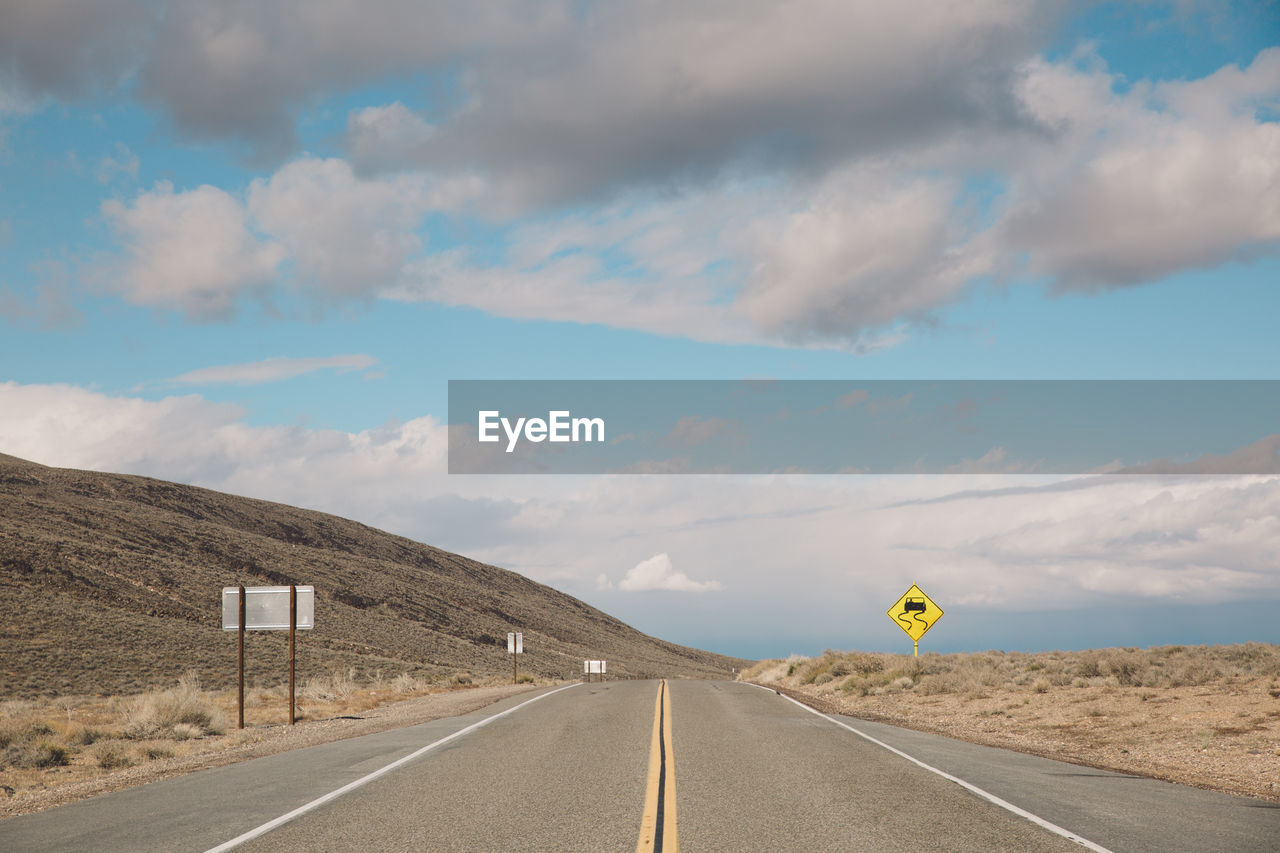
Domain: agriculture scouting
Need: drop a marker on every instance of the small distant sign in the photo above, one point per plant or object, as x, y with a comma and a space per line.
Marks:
515, 643
593, 667
266, 608
915, 613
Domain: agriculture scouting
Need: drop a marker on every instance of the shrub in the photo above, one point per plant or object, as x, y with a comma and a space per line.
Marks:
45, 754
1042, 685
404, 683
157, 713
84, 736
1090, 667
186, 731
112, 755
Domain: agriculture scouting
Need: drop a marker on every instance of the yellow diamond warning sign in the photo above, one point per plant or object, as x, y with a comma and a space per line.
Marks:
915, 613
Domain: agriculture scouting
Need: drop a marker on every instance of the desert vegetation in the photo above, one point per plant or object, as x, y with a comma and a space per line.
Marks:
45, 743
1202, 715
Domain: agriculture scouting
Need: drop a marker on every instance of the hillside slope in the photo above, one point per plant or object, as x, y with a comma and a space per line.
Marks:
111, 583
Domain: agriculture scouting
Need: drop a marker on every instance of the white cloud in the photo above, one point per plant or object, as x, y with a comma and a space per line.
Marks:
657, 573
190, 250
372, 475
869, 247
273, 369
347, 235
1137, 186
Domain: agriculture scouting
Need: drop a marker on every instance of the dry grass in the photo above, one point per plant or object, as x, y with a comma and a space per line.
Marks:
45, 743
1203, 715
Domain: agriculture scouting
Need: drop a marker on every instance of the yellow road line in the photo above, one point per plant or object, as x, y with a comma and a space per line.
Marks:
658, 823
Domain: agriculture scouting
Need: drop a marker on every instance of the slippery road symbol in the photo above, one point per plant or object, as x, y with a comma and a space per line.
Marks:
914, 613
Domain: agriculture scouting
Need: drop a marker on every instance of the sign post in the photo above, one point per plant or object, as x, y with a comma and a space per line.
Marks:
240, 622
915, 613
268, 608
515, 647
293, 631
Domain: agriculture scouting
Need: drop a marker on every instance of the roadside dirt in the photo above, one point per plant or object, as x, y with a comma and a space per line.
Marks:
1224, 739
36, 790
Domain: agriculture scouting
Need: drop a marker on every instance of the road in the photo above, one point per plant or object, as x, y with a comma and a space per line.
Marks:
652, 765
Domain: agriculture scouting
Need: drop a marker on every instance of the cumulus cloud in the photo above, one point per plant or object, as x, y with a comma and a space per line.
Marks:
797, 175
868, 248
347, 235
200, 251
657, 573
273, 369
1140, 185
190, 250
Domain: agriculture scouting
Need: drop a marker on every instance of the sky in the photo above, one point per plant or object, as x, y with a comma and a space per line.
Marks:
246, 246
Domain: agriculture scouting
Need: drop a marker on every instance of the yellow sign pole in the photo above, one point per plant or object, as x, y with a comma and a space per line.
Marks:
916, 653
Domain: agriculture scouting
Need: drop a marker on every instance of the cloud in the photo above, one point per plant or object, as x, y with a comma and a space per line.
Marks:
51, 304
677, 91
384, 137
273, 370
122, 163
692, 430
868, 248
975, 542
375, 475
1261, 457
657, 573
242, 71
70, 48
819, 193
348, 236
190, 250
1139, 186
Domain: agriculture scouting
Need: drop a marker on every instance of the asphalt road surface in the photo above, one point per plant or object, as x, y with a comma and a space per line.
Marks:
649, 765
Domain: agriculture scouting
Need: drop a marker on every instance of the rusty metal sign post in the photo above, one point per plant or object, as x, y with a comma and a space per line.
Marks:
268, 608
515, 648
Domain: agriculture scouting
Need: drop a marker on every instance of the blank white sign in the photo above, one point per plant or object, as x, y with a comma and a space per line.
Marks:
266, 608
515, 643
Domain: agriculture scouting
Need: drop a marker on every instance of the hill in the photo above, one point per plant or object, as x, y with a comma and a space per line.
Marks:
111, 584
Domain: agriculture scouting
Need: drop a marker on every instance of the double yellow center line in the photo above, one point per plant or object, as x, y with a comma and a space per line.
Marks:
658, 824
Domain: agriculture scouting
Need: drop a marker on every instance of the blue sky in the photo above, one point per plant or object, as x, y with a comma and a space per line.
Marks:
247, 247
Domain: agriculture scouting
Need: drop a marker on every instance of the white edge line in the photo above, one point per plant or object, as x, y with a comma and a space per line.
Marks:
364, 780
992, 798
